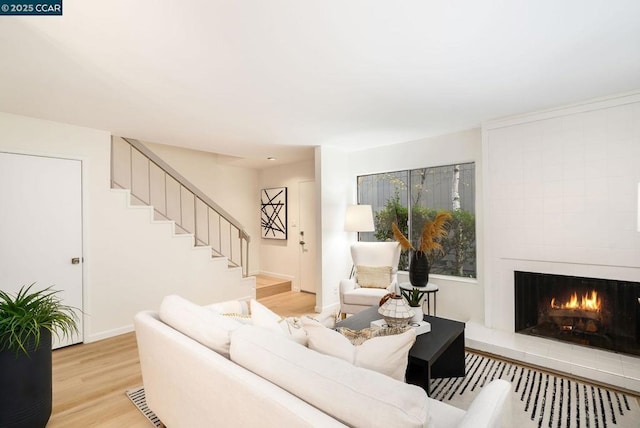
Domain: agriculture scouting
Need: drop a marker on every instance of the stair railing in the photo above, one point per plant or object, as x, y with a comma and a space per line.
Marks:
154, 183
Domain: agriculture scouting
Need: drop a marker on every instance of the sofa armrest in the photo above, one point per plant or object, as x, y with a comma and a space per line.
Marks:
490, 409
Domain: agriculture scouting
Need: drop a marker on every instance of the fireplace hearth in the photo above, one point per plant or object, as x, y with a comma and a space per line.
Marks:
593, 312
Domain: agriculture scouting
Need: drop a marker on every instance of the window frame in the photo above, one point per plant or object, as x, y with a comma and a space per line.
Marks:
404, 190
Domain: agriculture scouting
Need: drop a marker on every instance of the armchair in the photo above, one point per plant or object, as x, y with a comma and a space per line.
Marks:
374, 260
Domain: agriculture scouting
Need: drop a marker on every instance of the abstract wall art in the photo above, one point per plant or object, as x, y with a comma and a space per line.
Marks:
273, 210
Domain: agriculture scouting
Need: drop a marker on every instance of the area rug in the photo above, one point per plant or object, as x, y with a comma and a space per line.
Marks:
541, 399
538, 399
137, 397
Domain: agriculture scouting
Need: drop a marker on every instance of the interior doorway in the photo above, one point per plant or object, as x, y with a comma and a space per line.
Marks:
41, 227
307, 238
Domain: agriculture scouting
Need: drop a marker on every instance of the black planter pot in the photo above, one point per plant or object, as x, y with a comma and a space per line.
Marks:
419, 269
25, 396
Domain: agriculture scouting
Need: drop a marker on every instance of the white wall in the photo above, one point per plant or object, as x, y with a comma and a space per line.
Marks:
337, 191
458, 297
232, 188
280, 258
127, 266
561, 197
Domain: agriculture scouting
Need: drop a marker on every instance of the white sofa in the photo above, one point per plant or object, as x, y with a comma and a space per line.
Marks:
230, 374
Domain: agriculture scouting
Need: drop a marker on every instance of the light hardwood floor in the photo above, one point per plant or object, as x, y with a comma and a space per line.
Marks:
90, 380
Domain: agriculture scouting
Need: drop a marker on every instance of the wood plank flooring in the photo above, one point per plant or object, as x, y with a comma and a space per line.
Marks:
90, 380
268, 286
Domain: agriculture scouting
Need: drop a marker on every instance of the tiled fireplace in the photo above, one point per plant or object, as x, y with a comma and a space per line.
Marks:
592, 312
560, 198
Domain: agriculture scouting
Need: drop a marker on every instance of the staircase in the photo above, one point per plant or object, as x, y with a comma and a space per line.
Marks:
176, 240
152, 182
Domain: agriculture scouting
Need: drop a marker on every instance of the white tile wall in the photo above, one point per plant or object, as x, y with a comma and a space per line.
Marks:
561, 197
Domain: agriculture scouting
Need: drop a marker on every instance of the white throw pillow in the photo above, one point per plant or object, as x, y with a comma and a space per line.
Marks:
261, 316
373, 276
230, 306
358, 337
386, 354
353, 395
199, 323
235, 309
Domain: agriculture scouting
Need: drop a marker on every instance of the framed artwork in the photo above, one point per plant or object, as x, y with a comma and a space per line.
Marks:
273, 211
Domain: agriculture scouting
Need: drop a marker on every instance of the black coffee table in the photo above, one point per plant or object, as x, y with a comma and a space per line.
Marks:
437, 354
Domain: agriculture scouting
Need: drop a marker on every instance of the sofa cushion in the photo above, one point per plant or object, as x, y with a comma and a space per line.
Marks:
261, 316
386, 354
353, 395
235, 309
199, 323
239, 307
373, 276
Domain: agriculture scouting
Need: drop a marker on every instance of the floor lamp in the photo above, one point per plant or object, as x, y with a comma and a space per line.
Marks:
359, 218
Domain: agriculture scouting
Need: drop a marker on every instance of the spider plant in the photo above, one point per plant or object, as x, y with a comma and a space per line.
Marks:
23, 316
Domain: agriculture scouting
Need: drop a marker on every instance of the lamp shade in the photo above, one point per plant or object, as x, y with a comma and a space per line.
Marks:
359, 218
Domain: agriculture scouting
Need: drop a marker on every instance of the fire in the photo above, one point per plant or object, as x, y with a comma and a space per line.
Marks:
589, 302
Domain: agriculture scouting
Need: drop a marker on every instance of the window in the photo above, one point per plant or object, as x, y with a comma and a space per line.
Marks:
429, 190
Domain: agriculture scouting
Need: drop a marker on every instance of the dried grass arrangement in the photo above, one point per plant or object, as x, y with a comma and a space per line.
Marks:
432, 233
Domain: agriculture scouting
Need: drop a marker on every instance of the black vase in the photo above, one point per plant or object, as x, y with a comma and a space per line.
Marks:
419, 269
25, 396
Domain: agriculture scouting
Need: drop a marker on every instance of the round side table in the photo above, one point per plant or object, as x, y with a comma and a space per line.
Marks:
427, 290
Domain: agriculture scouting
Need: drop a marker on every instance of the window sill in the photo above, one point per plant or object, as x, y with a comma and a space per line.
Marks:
460, 279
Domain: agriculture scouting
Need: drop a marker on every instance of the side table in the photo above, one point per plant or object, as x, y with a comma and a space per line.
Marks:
427, 290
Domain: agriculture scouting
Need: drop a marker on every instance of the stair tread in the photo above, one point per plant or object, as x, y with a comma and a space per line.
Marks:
268, 286
267, 281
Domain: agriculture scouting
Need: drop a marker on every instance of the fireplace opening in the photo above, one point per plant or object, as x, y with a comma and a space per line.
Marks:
592, 312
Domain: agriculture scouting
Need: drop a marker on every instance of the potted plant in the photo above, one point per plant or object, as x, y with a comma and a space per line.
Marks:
414, 299
27, 321
432, 233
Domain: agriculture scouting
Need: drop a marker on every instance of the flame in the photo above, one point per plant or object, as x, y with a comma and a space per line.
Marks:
589, 302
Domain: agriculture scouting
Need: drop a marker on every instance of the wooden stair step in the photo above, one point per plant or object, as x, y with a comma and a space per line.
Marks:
269, 286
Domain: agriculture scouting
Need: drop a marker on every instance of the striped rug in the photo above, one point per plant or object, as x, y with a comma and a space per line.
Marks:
138, 399
540, 399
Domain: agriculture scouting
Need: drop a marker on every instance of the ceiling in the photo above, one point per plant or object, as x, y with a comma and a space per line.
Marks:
256, 78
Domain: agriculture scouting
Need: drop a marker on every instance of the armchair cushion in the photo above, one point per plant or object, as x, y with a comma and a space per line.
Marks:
364, 297
373, 276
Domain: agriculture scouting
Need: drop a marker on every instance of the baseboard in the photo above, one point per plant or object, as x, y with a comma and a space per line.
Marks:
109, 333
332, 307
278, 275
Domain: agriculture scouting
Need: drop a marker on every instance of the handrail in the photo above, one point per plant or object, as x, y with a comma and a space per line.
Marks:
187, 184
198, 195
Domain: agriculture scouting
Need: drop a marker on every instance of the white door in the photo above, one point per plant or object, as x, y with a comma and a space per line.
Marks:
41, 227
307, 216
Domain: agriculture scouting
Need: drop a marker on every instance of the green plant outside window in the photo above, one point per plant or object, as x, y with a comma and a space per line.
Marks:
410, 198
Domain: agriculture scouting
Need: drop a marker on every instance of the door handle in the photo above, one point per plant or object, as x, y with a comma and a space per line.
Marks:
75, 261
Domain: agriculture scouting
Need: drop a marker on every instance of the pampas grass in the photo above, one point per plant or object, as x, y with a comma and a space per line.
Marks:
405, 244
432, 233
